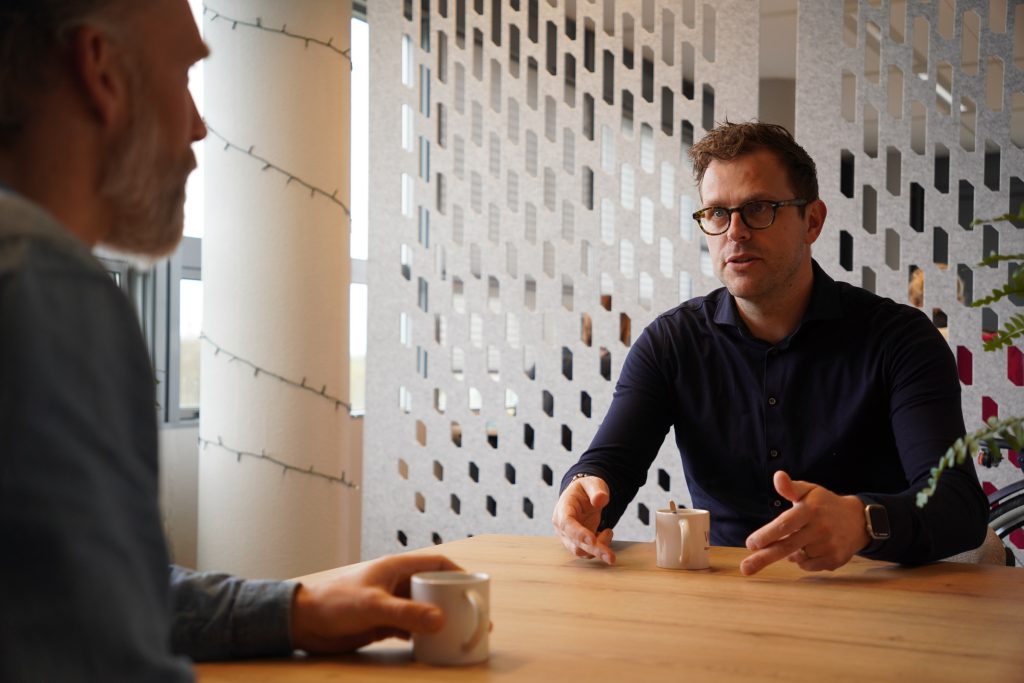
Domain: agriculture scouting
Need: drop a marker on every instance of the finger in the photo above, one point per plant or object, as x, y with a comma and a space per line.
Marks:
596, 490
817, 564
760, 559
786, 524
575, 533
427, 563
406, 615
791, 490
604, 543
398, 570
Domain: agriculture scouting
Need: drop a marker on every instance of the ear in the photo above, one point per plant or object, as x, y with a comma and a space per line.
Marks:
815, 215
97, 66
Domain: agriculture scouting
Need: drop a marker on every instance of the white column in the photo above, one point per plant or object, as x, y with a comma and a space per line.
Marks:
276, 275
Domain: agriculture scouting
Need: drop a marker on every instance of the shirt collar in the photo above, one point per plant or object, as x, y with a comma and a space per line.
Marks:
824, 304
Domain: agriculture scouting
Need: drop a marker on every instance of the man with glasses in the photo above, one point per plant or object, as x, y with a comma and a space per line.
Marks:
808, 413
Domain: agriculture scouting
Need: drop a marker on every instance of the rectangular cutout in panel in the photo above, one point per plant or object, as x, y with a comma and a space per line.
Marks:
608, 77
897, 20
894, 93
869, 209
688, 59
918, 122
708, 38
848, 99
893, 170
941, 168
846, 167
968, 123
994, 84
668, 37
921, 41
872, 52
970, 43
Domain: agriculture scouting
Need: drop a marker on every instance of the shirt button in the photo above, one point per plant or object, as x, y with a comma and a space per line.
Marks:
773, 453
772, 401
777, 503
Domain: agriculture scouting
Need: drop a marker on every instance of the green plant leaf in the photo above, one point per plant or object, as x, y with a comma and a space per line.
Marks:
1010, 430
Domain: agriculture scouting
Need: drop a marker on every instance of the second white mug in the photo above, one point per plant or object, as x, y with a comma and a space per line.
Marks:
682, 538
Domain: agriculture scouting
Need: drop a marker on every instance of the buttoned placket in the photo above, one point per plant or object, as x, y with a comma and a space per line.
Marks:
773, 423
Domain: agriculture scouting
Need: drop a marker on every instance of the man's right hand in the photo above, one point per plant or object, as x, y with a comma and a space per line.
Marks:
576, 516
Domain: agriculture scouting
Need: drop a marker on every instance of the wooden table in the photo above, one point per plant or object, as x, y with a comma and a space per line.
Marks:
558, 618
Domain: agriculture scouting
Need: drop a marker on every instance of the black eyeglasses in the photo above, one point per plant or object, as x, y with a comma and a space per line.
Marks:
756, 215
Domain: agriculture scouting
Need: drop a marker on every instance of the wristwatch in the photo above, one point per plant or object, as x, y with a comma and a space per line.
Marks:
877, 521
579, 475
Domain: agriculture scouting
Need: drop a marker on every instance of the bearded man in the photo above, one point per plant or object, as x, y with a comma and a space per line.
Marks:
96, 127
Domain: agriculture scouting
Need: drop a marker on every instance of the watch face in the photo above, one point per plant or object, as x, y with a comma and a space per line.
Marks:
878, 521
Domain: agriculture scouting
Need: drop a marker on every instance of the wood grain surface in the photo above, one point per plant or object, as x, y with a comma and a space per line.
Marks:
560, 618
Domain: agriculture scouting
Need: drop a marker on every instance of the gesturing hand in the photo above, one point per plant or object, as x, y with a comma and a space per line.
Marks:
364, 603
822, 530
576, 516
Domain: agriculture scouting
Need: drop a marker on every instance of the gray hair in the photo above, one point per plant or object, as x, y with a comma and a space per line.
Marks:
32, 35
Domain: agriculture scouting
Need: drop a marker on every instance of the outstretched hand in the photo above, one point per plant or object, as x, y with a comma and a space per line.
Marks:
822, 530
364, 603
577, 515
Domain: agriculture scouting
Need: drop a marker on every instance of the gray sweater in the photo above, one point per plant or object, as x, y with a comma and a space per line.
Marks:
84, 589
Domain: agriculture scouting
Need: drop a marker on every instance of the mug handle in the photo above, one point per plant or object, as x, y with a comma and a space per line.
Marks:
477, 603
683, 531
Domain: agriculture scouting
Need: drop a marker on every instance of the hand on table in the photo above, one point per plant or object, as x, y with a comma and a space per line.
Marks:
822, 530
364, 603
576, 516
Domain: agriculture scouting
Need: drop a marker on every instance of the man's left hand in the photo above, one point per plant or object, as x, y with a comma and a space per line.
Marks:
822, 530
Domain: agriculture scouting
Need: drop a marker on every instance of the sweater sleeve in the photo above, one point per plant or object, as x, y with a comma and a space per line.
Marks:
927, 418
218, 616
633, 430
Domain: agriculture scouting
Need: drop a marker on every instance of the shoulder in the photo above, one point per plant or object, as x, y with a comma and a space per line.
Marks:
864, 307
691, 315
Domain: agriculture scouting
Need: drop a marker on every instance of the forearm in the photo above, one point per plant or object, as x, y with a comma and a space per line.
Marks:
954, 520
217, 616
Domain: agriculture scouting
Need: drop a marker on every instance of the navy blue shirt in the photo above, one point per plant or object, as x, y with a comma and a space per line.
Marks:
862, 398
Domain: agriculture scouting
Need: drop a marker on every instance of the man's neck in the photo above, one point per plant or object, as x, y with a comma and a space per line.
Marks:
776, 317
58, 178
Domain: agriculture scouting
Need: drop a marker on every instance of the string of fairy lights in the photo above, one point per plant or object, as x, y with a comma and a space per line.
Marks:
213, 15
271, 166
310, 471
266, 164
258, 371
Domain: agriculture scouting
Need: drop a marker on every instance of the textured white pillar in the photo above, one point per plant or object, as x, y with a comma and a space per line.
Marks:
276, 274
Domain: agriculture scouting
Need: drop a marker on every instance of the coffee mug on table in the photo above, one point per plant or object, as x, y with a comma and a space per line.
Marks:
682, 538
465, 600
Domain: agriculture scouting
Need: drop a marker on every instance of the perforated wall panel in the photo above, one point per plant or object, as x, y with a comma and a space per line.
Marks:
530, 214
914, 113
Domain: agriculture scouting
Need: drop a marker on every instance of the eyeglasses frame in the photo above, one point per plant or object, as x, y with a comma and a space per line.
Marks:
775, 209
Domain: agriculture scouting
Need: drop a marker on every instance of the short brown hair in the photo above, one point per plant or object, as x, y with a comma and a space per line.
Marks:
729, 140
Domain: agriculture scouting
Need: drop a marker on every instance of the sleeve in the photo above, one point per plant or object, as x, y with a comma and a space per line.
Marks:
926, 416
83, 582
218, 616
633, 430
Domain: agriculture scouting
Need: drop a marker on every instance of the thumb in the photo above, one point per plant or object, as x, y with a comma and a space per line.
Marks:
793, 491
597, 491
409, 615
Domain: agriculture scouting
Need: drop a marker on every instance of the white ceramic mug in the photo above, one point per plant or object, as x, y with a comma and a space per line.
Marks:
682, 538
465, 599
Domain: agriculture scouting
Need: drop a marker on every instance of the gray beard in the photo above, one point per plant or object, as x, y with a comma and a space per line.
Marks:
145, 189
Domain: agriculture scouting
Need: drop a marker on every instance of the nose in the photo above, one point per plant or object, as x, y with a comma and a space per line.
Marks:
198, 126
738, 230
